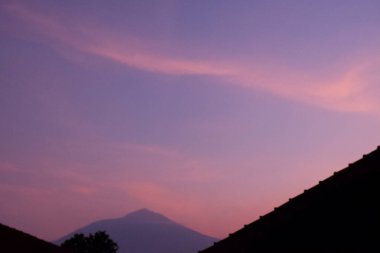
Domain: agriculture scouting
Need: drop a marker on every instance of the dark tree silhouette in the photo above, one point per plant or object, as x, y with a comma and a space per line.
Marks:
99, 242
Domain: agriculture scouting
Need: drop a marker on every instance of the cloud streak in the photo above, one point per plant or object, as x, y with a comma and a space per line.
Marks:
347, 90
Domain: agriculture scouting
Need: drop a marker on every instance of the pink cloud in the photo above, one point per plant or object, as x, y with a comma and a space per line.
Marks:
85, 190
155, 63
347, 90
351, 91
7, 167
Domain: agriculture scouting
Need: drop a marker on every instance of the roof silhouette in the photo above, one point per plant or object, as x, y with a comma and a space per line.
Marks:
15, 241
340, 214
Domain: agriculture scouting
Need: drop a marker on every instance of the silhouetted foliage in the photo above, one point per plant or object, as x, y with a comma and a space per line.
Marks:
99, 242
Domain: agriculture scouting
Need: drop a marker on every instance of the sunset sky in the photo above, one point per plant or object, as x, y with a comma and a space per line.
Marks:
209, 112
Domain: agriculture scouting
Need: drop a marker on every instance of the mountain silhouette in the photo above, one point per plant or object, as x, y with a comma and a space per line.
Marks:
144, 231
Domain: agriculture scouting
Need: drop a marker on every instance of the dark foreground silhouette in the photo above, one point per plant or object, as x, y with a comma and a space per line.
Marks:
99, 242
340, 214
16, 241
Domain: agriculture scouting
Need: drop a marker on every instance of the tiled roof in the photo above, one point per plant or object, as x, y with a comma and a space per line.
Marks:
15, 241
340, 214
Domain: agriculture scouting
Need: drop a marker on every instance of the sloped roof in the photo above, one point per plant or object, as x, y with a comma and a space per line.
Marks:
340, 214
15, 241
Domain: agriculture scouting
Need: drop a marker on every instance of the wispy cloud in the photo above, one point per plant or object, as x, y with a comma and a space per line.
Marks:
347, 90
7, 167
155, 63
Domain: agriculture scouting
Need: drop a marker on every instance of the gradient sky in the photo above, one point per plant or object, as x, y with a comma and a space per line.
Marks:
209, 112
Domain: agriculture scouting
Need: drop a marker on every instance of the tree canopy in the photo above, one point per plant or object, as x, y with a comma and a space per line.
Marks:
99, 242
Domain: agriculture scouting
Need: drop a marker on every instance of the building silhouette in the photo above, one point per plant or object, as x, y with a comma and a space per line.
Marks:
16, 241
340, 214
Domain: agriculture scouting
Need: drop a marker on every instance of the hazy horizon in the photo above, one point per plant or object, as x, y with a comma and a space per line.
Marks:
210, 113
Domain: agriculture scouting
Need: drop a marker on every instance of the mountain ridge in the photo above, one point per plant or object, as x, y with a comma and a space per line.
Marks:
146, 231
146, 215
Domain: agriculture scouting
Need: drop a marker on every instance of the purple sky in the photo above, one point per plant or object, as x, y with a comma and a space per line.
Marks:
209, 112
